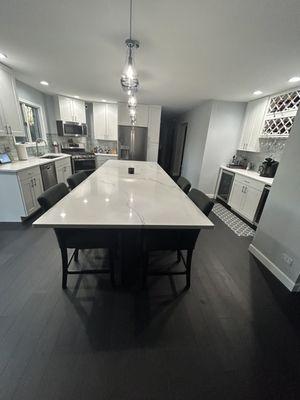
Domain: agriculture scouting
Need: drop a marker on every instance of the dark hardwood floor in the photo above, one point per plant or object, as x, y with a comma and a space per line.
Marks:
234, 335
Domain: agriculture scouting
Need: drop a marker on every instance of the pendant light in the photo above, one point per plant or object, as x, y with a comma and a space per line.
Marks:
129, 77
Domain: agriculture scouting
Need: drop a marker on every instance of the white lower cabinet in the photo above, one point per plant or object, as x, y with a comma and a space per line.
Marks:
245, 195
63, 170
31, 187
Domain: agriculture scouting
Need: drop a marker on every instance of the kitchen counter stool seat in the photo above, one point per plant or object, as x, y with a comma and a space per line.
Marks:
175, 239
75, 179
82, 239
184, 184
78, 238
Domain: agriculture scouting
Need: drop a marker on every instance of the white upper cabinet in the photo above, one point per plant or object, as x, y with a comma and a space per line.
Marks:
10, 111
105, 121
253, 124
142, 115
70, 110
79, 111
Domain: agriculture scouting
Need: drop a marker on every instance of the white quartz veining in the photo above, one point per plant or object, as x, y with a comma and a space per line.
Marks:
17, 166
111, 197
250, 174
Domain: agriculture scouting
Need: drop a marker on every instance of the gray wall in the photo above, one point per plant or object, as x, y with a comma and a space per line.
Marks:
279, 228
198, 122
214, 130
223, 137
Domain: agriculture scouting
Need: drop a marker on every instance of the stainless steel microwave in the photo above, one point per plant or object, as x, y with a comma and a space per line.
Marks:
65, 128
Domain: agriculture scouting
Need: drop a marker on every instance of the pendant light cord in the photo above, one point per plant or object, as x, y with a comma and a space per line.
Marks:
130, 20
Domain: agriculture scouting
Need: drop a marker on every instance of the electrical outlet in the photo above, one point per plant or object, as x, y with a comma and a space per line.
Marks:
287, 259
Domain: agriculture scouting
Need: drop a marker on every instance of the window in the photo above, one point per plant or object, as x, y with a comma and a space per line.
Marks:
32, 123
281, 113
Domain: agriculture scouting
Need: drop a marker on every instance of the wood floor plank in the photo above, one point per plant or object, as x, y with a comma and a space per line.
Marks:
235, 334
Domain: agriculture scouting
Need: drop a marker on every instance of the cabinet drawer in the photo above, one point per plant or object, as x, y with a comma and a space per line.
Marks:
62, 163
28, 173
249, 182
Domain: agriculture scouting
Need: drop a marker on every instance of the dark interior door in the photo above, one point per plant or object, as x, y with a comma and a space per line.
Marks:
178, 149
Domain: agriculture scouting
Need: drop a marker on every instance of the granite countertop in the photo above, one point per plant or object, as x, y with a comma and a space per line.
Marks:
112, 198
250, 174
17, 166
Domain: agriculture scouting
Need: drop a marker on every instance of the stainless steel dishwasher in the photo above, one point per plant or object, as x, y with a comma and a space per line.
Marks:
48, 175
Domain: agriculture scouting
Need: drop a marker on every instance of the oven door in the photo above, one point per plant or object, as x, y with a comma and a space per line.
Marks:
88, 165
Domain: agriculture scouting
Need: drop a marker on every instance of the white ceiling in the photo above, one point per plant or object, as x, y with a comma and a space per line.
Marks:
190, 50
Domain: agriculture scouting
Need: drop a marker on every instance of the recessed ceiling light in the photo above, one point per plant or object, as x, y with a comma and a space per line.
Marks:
294, 79
3, 56
104, 101
257, 92
76, 97
45, 83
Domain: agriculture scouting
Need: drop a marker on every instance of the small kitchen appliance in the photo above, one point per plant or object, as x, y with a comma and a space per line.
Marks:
268, 168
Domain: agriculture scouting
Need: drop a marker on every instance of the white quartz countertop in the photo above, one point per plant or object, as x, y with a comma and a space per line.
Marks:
106, 154
17, 166
250, 174
112, 198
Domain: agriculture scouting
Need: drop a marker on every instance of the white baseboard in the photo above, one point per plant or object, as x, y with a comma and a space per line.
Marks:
292, 286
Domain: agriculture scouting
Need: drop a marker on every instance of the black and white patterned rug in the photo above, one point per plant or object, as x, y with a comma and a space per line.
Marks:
232, 221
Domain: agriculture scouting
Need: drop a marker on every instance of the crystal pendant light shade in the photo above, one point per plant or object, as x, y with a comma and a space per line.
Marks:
129, 77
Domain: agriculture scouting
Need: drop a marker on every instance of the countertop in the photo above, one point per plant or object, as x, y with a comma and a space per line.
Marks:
17, 166
250, 174
112, 198
106, 155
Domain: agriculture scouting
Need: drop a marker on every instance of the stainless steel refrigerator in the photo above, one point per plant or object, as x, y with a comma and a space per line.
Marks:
132, 143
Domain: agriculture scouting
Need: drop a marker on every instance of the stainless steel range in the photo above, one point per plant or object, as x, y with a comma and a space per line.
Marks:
81, 159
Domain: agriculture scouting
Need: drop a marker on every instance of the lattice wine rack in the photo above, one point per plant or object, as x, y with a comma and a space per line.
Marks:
281, 113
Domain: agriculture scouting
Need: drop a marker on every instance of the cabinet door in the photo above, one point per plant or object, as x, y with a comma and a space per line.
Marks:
112, 121
60, 174
38, 188
3, 128
252, 197
237, 196
10, 104
99, 117
66, 108
27, 187
253, 123
142, 115
79, 111
67, 171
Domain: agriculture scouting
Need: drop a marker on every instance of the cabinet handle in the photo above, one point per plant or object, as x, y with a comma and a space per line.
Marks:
31, 180
10, 129
34, 181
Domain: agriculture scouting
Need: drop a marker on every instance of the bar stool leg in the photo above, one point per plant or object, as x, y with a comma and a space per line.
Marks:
188, 268
64, 257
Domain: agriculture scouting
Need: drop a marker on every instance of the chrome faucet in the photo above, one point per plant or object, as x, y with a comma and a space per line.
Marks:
39, 140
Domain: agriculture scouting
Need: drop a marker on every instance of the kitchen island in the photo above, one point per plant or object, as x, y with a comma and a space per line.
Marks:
113, 198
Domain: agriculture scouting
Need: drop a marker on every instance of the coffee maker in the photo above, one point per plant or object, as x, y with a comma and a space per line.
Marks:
268, 168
